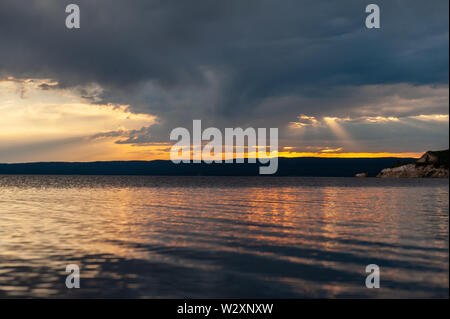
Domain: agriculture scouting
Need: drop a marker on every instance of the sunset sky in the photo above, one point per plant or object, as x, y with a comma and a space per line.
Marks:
135, 70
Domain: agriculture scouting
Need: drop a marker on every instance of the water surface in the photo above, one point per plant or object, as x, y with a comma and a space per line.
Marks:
223, 237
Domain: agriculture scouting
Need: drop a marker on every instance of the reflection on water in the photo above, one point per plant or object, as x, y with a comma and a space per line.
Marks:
222, 237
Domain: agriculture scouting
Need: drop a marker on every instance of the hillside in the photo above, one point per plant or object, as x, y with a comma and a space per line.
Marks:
432, 164
330, 167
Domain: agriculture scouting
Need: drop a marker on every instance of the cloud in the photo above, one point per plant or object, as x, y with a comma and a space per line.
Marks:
140, 136
58, 124
331, 150
304, 120
236, 63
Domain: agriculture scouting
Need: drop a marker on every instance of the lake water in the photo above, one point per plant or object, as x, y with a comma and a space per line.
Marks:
230, 237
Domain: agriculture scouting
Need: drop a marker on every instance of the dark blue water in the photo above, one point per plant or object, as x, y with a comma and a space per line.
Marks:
232, 237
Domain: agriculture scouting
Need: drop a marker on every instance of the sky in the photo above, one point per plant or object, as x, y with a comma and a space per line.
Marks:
135, 70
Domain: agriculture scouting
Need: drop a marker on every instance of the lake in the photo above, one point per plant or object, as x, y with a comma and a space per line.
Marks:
223, 237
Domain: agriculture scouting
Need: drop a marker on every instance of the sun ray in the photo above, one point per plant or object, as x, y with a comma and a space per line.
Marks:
340, 132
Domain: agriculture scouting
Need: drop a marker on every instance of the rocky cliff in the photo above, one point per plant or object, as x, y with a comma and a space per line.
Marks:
431, 164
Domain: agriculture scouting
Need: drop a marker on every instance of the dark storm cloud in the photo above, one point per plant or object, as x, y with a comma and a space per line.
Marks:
234, 62
141, 136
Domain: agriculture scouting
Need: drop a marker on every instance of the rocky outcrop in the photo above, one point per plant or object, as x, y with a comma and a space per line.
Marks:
414, 170
362, 175
431, 164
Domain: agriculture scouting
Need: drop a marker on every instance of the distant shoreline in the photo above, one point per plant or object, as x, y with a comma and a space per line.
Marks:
302, 166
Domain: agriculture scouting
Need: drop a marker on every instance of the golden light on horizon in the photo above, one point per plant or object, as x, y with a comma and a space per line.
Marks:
350, 154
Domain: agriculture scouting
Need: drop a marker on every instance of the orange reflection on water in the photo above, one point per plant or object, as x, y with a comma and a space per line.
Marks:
187, 236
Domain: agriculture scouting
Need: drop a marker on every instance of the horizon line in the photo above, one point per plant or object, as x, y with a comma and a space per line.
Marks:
287, 156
